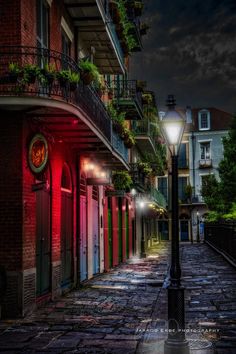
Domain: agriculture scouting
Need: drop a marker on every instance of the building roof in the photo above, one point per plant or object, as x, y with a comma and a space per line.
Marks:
219, 120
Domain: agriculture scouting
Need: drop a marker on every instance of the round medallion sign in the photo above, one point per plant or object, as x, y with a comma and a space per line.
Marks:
38, 153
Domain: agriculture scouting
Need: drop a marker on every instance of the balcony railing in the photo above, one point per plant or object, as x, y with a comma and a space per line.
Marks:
126, 94
83, 96
140, 180
119, 146
205, 163
145, 128
157, 197
222, 235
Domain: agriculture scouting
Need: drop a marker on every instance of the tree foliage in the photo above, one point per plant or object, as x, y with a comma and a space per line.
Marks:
220, 196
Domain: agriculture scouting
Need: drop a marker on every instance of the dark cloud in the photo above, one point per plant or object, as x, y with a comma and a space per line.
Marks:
190, 50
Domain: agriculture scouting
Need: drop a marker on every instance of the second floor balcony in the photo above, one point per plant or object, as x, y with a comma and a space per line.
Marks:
96, 29
35, 86
145, 135
127, 98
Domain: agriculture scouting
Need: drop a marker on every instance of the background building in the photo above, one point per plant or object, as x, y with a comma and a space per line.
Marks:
200, 153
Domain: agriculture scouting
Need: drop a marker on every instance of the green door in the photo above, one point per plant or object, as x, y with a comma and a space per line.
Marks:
127, 229
120, 229
66, 237
43, 242
110, 234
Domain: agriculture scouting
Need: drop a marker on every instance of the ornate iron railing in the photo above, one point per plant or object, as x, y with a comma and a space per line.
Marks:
126, 90
222, 235
119, 146
146, 128
83, 96
158, 197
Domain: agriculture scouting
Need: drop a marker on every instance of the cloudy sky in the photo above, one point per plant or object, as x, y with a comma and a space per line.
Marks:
190, 51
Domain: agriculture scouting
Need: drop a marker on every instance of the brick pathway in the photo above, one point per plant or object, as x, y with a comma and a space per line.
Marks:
124, 311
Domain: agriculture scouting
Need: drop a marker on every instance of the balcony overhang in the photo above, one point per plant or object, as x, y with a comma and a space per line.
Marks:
96, 29
66, 124
145, 143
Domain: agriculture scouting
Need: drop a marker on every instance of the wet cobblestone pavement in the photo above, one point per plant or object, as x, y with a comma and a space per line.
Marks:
124, 311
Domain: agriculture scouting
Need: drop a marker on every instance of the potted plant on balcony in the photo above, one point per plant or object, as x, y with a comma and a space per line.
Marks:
118, 119
49, 73
63, 78
89, 72
30, 73
129, 140
73, 78
14, 72
145, 168
121, 180
146, 98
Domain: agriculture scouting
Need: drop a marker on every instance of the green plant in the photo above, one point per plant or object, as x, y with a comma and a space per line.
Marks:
145, 168
118, 118
89, 72
129, 137
14, 68
121, 180
147, 98
30, 72
63, 77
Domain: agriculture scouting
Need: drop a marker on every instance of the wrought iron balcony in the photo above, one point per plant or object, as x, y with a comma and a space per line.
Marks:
140, 180
119, 146
93, 21
145, 134
82, 96
207, 163
157, 197
128, 98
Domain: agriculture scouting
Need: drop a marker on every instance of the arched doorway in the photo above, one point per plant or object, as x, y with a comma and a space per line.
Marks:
43, 233
66, 226
95, 230
83, 229
184, 227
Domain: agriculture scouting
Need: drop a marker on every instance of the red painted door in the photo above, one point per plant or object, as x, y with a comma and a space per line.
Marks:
95, 231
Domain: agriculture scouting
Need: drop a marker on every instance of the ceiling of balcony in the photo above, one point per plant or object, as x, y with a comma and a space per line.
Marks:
93, 26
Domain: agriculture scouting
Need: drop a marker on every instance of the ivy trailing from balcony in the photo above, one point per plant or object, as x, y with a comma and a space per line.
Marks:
126, 24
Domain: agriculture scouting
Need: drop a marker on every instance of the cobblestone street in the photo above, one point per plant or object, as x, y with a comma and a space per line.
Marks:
124, 311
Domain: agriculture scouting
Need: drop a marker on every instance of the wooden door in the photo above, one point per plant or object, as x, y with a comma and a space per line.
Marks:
43, 242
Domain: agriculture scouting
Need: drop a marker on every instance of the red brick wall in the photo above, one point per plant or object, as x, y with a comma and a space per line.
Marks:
28, 23
11, 191
10, 29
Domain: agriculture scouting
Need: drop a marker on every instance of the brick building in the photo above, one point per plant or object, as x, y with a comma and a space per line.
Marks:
61, 220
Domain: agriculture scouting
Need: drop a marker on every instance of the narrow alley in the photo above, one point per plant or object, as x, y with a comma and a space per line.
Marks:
124, 311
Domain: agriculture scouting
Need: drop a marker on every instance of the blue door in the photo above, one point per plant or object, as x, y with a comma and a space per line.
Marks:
83, 239
95, 231
184, 230
163, 230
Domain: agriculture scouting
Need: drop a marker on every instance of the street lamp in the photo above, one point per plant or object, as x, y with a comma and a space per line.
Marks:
198, 236
172, 127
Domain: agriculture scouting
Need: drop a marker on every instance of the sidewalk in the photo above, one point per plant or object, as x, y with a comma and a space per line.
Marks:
102, 317
124, 311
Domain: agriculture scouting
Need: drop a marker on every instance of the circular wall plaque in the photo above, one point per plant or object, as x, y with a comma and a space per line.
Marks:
38, 153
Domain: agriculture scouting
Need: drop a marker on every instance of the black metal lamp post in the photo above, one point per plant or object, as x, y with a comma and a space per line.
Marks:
172, 126
198, 236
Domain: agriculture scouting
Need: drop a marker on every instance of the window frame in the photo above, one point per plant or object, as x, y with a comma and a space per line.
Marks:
203, 111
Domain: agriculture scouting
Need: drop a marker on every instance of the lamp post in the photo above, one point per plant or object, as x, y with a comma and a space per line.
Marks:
172, 126
198, 236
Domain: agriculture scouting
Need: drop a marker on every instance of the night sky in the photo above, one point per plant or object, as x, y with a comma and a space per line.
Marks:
190, 51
